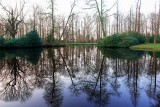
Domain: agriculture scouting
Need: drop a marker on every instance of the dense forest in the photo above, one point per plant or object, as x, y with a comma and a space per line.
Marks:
75, 27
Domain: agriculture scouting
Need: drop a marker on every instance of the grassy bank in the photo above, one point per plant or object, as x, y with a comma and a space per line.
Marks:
147, 47
81, 44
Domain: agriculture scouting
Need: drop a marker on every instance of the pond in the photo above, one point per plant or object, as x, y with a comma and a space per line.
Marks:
79, 77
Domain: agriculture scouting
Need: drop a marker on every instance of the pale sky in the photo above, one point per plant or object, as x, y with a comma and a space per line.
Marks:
63, 6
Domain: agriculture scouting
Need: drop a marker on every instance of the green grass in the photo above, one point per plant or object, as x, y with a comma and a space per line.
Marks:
147, 47
81, 44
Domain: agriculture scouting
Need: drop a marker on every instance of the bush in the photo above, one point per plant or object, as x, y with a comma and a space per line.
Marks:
31, 39
118, 40
50, 39
2, 40
10, 43
158, 39
141, 38
128, 41
151, 39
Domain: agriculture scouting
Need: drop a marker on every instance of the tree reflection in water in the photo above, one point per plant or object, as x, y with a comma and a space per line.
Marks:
96, 81
15, 86
153, 89
14, 77
97, 75
53, 89
132, 68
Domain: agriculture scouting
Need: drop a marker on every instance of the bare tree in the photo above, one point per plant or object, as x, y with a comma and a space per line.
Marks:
68, 19
14, 18
52, 16
100, 10
139, 17
117, 16
157, 26
130, 20
35, 13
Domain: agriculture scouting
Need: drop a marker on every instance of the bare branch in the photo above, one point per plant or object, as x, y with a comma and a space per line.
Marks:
111, 15
14, 18
4, 8
70, 15
111, 6
90, 7
21, 10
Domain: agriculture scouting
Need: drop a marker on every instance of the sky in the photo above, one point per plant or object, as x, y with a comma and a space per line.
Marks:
62, 7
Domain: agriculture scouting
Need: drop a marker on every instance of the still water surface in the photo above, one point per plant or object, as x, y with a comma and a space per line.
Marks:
79, 77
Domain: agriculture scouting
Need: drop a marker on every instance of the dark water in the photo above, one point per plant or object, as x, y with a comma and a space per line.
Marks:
79, 77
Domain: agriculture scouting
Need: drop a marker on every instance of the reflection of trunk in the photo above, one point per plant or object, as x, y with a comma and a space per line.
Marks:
53, 72
99, 77
15, 71
154, 70
128, 71
101, 70
135, 82
70, 75
72, 60
84, 55
53, 91
116, 66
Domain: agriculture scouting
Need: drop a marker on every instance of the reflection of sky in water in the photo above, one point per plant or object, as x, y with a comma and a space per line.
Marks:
86, 74
73, 101
124, 100
69, 100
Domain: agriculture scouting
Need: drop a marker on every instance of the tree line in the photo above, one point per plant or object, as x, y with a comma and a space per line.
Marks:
76, 27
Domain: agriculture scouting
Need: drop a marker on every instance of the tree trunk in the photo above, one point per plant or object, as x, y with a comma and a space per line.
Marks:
139, 18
